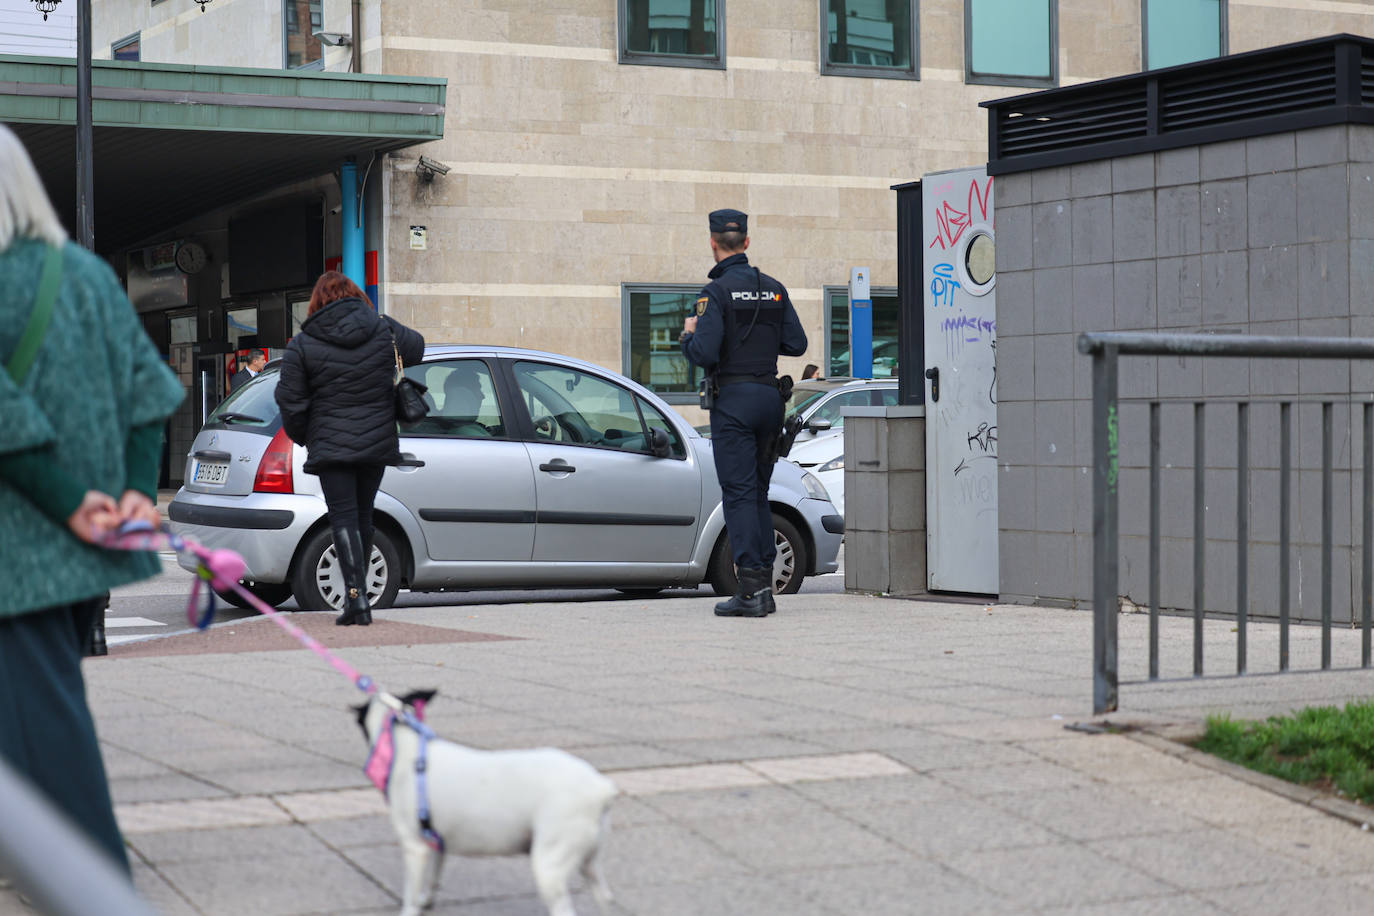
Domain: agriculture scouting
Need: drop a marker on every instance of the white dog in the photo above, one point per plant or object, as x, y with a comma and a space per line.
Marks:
544, 802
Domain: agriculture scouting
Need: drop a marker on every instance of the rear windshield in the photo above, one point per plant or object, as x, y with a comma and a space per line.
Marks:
251, 408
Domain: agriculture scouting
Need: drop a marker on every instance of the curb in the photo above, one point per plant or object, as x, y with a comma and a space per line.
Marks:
1169, 738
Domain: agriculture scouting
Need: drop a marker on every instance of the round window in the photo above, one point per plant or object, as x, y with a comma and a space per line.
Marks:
980, 259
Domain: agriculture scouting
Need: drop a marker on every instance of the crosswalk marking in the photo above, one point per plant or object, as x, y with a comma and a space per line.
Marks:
113, 623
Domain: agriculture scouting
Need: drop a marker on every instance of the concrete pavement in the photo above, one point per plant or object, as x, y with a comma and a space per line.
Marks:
851, 755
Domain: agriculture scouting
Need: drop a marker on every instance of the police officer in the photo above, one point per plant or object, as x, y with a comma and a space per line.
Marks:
743, 320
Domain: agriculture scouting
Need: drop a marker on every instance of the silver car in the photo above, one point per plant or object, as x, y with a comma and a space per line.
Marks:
532, 470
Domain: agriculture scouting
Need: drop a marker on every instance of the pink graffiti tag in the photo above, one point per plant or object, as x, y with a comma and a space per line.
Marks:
953, 222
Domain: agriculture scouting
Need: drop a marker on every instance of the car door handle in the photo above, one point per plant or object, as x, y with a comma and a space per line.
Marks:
934, 376
206, 454
557, 465
409, 461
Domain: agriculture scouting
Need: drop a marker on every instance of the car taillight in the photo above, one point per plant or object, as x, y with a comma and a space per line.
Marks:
274, 470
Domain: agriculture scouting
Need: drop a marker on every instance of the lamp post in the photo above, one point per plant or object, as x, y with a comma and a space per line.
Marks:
85, 183
85, 191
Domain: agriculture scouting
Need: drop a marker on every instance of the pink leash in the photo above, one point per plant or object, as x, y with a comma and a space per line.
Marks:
222, 569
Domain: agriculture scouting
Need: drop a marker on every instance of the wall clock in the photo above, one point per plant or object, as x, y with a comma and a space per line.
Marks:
191, 257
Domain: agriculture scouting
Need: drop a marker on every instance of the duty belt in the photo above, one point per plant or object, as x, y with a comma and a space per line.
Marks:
723, 380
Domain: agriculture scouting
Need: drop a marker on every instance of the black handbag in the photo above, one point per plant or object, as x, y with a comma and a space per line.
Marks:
410, 394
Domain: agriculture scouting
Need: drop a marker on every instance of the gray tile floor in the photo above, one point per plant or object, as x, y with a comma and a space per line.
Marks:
850, 755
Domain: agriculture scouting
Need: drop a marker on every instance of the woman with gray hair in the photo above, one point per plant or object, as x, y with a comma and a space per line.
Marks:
83, 400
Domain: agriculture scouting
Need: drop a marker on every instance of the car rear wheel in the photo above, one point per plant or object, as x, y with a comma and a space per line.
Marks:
271, 594
789, 568
318, 579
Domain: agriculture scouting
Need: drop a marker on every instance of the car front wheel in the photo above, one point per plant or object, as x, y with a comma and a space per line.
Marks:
318, 581
789, 568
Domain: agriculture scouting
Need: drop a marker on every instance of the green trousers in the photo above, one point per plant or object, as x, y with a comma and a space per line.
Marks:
46, 730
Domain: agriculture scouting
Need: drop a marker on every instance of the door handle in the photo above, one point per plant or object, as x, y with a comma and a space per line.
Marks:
409, 461
557, 465
206, 454
934, 376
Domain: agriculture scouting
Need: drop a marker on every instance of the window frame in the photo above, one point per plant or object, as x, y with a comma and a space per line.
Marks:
625, 56
135, 38
626, 354
636, 399
912, 72
502, 400
828, 293
1223, 42
1000, 79
318, 63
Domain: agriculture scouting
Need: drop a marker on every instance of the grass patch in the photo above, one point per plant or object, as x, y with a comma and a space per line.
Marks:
1321, 746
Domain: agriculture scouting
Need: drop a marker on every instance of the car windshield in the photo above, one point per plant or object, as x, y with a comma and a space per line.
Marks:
802, 400
251, 407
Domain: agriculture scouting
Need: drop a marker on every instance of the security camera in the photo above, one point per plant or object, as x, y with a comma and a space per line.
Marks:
334, 39
428, 168
335, 210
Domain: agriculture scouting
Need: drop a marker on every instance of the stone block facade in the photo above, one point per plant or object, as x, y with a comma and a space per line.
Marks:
1266, 236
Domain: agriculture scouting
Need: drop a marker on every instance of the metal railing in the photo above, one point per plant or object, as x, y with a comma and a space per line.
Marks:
52, 862
1105, 350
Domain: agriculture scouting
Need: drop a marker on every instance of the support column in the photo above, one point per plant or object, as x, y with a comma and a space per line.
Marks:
352, 218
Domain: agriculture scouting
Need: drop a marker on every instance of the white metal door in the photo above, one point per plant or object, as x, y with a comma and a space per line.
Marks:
961, 380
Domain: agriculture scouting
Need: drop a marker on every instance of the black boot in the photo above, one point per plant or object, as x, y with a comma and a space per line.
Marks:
95, 644
348, 545
748, 599
766, 575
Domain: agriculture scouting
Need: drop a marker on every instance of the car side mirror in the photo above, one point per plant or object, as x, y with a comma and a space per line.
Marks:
818, 425
660, 445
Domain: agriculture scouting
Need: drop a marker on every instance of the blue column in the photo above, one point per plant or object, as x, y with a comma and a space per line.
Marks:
351, 217
860, 324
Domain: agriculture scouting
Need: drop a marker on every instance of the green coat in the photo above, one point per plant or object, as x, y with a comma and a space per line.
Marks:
96, 377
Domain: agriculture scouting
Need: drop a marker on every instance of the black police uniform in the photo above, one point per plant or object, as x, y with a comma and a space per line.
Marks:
744, 320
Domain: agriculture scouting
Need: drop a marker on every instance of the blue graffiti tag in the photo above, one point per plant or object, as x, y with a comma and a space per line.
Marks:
943, 284
969, 326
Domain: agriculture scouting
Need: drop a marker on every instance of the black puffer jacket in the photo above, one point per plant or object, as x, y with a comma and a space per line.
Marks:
335, 391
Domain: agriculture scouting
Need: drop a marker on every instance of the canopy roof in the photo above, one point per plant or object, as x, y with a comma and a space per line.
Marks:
172, 141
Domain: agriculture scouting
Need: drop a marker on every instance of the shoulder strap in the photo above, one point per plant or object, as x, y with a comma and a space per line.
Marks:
37, 328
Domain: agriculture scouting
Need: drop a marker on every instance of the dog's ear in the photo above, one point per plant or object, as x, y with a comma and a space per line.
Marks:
362, 717
418, 700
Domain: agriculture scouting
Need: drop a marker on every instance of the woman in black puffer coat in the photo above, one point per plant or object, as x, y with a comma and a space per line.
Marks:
336, 399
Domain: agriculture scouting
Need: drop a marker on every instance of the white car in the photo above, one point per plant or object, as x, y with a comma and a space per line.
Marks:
824, 457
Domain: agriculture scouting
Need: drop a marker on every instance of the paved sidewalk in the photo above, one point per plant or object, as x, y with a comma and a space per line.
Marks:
852, 755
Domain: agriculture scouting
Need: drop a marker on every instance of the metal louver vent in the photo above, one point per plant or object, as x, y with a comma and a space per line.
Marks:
1254, 91
1041, 128
1292, 87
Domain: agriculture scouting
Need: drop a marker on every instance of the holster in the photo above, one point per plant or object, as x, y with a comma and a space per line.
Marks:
781, 444
707, 391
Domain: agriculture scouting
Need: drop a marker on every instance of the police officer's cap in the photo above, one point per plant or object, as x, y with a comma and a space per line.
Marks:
729, 221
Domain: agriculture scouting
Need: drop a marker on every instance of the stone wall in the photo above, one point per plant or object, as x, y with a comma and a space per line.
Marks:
1273, 235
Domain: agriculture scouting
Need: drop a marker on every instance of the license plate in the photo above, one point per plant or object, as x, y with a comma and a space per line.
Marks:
211, 472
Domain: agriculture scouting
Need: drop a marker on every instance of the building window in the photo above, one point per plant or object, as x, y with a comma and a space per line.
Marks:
870, 38
884, 331
653, 317
301, 48
1011, 42
126, 48
1181, 31
674, 33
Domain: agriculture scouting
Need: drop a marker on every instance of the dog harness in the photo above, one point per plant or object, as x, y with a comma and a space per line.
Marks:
381, 760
